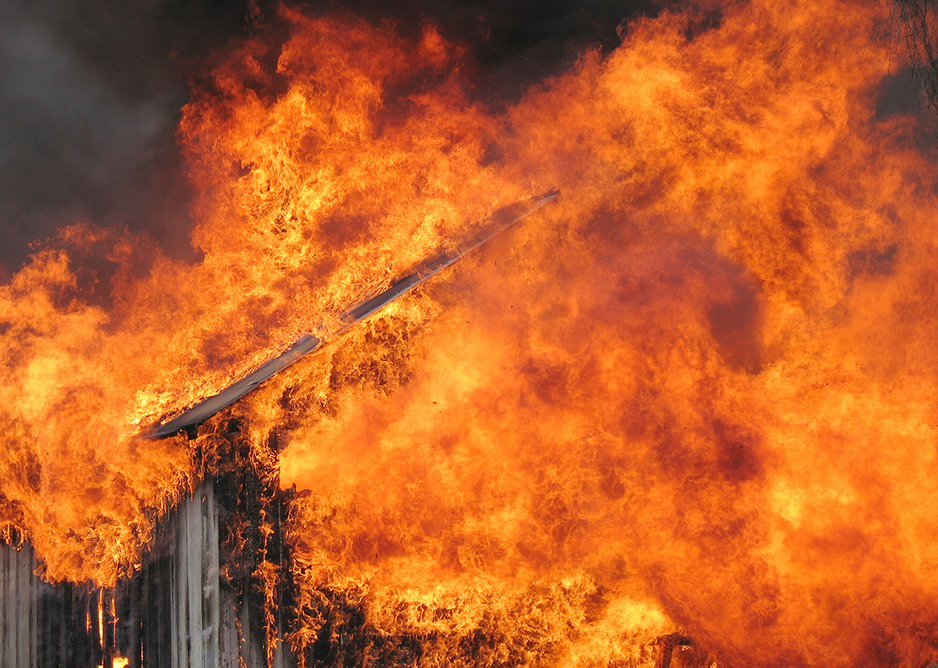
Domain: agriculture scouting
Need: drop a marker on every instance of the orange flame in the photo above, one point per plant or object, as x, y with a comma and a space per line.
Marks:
699, 393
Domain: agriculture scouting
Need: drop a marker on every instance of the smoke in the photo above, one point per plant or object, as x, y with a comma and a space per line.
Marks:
89, 101
91, 95
515, 44
92, 91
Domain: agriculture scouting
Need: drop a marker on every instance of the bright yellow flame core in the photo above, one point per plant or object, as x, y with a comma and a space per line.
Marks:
698, 392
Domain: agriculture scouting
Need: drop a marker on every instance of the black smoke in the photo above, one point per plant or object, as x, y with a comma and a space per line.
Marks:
91, 93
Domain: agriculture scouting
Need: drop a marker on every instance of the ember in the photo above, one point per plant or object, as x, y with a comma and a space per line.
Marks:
685, 416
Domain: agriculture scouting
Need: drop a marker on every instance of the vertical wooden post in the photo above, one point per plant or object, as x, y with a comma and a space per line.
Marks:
23, 603
33, 611
178, 589
228, 645
6, 601
211, 611
192, 509
4, 598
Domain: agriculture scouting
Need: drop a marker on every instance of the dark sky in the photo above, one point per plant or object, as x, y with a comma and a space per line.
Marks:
90, 93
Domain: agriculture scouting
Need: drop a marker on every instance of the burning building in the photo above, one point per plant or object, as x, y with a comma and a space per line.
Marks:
687, 414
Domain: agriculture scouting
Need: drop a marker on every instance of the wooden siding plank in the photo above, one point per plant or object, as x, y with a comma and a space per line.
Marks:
22, 609
228, 633
11, 606
178, 613
193, 509
210, 610
4, 598
33, 610
3, 604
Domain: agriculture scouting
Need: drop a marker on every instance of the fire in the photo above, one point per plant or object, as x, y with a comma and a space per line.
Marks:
696, 396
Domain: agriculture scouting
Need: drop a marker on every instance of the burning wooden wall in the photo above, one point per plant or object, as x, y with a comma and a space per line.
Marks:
173, 604
183, 608
209, 593
215, 589
51, 626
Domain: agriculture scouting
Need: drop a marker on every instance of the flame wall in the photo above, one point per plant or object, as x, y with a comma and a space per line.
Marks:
696, 393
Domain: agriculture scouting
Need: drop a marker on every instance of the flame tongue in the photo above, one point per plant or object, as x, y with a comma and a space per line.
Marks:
501, 220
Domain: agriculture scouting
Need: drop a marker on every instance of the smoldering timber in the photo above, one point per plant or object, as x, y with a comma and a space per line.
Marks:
499, 221
208, 407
